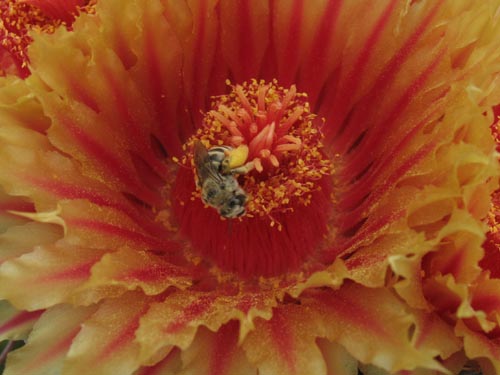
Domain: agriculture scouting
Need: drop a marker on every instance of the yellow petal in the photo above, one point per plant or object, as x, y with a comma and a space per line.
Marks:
47, 276
49, 342
106, 343
16, 324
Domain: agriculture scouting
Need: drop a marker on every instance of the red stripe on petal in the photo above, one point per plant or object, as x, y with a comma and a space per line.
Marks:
58, 349
223, 349
20, 319
359, 189
386, 77
116, 231
246, 46
283, 338
372, 140
323, 37
362, 235
199, 50
353, 311
123, 337
350, 219
291, 52
108, 161
79, 272
16, 205
105, 198
190, 312
356, 73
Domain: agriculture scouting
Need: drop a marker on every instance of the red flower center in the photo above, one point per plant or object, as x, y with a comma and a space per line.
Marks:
264, 147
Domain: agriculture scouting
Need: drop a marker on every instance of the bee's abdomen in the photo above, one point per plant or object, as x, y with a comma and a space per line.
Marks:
217, 155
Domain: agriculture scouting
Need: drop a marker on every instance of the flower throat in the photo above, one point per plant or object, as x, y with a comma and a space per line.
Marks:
264, 147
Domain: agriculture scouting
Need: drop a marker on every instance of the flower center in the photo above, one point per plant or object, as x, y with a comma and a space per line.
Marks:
258, 158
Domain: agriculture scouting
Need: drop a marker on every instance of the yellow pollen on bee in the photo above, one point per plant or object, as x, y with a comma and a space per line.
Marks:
238, 156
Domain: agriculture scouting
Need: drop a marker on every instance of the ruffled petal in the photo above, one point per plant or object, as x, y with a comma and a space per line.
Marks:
105, 343
130, 269
49, 342
174, 321
374, 326
46, 276
131, 88
479, 347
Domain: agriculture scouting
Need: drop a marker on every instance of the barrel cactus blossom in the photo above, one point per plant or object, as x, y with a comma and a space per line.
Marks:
363, 135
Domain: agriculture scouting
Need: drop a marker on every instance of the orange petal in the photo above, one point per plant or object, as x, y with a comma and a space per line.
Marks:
49, 342
47, 276
106, 343
380, 336
477, 346
434, 336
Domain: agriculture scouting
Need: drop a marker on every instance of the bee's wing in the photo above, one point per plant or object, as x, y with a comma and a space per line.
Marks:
203, 164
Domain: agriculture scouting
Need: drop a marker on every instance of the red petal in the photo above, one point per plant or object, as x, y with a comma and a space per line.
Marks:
245, 27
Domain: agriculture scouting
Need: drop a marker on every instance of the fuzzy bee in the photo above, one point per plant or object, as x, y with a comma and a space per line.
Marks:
216, 169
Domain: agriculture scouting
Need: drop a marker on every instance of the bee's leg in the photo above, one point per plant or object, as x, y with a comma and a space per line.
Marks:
244, 169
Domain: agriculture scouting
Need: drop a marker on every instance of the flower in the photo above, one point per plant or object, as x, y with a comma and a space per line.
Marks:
371, 165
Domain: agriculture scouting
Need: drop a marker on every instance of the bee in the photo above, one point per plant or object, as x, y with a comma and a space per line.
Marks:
216, 178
